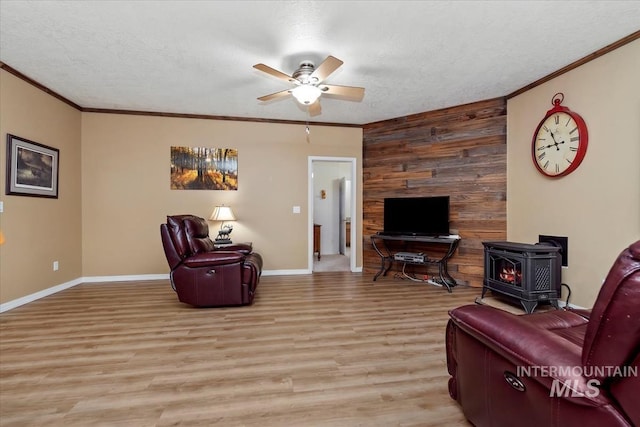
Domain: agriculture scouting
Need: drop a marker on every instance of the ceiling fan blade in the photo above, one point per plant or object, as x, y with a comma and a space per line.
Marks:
349, 92
275, 95
272, 71
315, 109
327, 67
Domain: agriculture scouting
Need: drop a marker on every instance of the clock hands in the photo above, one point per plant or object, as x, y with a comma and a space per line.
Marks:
563, 130
555, 143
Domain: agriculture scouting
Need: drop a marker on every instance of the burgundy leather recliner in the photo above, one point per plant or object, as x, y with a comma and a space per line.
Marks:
202, 275
556, 368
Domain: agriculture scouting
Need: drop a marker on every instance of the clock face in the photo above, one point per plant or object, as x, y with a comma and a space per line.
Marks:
559, 144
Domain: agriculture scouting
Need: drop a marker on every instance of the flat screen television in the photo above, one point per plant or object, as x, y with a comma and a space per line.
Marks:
417, 216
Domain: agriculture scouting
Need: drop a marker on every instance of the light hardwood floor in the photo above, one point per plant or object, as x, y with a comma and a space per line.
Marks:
328, 349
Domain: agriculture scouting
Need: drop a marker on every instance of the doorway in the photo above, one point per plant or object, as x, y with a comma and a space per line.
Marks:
332, 205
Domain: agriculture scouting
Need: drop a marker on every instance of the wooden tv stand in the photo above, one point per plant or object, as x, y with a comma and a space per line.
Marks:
381, 245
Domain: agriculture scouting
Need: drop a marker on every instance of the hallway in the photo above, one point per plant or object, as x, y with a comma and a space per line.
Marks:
335, 262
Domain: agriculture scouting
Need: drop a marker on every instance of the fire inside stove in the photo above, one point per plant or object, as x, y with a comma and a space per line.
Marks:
510, 275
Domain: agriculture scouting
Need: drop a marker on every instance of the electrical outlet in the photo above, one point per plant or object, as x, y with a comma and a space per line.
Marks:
56, 265
1, 207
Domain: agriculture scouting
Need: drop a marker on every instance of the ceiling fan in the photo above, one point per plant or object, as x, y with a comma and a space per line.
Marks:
308, 84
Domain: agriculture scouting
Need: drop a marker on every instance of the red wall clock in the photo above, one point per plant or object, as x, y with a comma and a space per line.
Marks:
560, 140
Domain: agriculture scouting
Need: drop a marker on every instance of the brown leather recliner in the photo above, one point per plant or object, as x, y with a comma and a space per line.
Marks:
557, 368
202, 275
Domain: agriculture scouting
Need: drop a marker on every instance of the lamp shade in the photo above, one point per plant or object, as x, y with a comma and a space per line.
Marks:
222, 213
306, 94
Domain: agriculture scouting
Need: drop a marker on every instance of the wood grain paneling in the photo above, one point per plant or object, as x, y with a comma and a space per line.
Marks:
458, 151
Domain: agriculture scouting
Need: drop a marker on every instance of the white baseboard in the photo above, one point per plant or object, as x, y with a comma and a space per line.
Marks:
563, 304
284, 272
125, 278
92, 279
296, 272
37, 295
131, 278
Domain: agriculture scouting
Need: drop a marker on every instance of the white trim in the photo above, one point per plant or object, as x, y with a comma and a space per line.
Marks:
124, 278
93, 279
354, 219
37, 295
285, 272
564, 304
129, 278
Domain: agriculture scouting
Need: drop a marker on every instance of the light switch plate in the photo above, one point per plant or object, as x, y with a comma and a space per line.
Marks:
296, 209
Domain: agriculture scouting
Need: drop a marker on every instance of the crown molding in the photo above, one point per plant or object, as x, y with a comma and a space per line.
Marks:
45, 89
597, 54
36, 84
212, 117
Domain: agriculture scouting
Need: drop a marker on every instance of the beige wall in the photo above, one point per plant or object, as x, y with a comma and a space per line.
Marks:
114, 182
597, 206
126, 193
39, 230
114, 190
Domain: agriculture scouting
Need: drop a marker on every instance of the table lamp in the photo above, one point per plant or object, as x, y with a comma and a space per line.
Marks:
223, 213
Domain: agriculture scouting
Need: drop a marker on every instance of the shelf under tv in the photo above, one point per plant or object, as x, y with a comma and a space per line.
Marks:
382, 244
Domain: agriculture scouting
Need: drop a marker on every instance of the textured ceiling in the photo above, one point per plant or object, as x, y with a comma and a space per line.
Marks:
197, 57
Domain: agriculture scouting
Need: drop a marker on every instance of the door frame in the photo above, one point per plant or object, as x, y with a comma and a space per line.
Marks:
354, 219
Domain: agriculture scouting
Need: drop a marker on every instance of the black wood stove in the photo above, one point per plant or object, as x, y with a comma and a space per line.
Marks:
523, 272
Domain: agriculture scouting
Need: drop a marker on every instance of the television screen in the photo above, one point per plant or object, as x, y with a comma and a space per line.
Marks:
417, 216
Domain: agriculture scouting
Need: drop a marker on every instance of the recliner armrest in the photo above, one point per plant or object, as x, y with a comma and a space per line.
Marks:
243, 248
556, 319
526, 344
205, 259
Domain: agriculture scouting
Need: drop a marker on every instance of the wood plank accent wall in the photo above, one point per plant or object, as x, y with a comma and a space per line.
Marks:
460, 152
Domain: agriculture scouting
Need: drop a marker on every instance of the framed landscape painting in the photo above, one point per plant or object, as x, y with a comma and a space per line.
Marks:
204, 168
32, 168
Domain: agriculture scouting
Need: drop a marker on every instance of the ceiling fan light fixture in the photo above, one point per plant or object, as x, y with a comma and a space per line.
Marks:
306, 94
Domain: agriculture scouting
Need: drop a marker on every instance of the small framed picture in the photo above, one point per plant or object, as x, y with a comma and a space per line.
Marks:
32, 168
